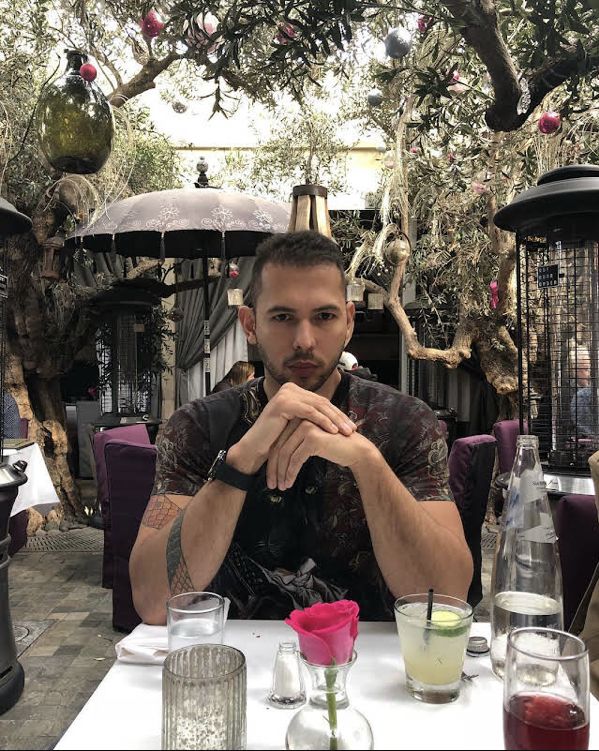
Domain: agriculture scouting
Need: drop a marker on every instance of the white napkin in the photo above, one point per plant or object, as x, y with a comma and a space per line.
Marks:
148, 645
145, 645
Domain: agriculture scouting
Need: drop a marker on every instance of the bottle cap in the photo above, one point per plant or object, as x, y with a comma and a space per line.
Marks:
477, 645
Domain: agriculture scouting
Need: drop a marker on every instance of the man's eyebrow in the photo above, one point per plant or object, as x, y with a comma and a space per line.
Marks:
320, 309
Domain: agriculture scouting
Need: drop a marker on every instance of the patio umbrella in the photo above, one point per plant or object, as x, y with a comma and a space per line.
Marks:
185, 223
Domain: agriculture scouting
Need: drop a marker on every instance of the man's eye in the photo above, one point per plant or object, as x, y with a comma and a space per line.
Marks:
324, 316
281, 317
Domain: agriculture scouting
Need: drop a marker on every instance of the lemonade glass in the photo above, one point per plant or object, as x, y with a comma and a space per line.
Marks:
433, 650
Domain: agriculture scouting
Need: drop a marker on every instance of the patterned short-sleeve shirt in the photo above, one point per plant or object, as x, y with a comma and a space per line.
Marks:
311, 542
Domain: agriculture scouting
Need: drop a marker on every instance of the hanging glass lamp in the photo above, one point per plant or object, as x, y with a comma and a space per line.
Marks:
76, 125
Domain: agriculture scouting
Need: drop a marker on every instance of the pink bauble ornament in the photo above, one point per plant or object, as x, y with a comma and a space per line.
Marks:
479, 188
423, 23
151, 25
494, 289
286, 33
198, 29
549, 122
88, 72
232, 271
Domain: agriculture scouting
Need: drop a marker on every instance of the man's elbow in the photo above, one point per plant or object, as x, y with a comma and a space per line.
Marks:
151, 610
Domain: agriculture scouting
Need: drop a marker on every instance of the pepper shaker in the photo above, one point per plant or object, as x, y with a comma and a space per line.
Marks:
287, 690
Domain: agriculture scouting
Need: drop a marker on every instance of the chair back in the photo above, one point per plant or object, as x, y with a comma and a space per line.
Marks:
132, 433
577, 529
506, 434
23, 427
130, 469
470, 462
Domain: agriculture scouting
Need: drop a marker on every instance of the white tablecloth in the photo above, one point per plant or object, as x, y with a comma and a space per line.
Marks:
125, 711
39, 489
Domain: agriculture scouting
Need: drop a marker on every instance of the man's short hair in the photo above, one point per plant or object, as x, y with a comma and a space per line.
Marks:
299, 249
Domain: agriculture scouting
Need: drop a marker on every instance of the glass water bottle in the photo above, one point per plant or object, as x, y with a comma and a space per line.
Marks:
526, 583
76, 126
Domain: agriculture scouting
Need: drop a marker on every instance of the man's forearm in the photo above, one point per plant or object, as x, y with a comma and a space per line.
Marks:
413, 549
186, 553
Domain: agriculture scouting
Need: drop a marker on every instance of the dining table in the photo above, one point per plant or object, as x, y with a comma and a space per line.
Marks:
125, 711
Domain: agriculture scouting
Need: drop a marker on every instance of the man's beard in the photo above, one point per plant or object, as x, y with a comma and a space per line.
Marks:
281, 378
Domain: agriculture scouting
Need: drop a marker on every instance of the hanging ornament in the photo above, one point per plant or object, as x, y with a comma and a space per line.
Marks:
88, 72
287, 32
398, 43
494, 289
458, 86
232, 270
414, 149
376, 301
76, 126
179, 107
549, 122
375, 97
423, 23
234, 297
389, 159
151, 25
198, 31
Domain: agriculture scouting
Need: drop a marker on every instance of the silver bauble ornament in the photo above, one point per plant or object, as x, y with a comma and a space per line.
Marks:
179, 107
398, 43
375, 97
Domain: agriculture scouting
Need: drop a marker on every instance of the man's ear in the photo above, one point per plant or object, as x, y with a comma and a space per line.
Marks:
350, 311
247, 319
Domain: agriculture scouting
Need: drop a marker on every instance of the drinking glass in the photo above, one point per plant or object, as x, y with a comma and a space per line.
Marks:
545, 690
433, 649
204, 698
195, 618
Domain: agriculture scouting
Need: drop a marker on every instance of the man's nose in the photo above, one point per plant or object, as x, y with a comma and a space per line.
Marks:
304, 336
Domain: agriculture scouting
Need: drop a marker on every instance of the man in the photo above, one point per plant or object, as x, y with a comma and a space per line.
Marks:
331, 487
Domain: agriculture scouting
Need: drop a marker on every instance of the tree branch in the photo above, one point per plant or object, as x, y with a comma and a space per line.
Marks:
143, 80
479, 27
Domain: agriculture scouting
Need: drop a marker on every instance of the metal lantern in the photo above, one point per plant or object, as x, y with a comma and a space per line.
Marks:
126, 363
557, 236
12, 676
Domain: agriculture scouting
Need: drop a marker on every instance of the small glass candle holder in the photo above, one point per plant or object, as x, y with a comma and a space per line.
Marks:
287, 690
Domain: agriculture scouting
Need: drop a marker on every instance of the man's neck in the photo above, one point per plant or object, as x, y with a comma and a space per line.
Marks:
327, 389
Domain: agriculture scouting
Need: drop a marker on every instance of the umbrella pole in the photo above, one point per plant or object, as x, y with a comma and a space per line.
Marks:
207, 387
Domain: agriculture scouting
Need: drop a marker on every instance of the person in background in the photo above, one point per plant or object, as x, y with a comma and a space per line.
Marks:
12, 425
581, 405
239, 374
349, 363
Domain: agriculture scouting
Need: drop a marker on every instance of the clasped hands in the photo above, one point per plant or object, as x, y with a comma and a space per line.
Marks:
297, 424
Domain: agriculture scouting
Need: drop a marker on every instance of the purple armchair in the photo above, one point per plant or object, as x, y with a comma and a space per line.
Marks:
133, 433
471, 463
130, 471
577, 529
506, 434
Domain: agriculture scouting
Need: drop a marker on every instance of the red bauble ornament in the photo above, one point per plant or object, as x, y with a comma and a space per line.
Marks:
423, 23
88, 72
232, 271
151, 25
549, 122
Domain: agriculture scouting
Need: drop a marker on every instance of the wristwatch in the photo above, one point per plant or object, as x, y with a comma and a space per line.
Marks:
224, 472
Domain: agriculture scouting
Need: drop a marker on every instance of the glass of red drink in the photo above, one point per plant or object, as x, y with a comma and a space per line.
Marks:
545, 690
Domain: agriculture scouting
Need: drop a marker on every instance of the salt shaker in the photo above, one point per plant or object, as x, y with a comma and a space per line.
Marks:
287, 690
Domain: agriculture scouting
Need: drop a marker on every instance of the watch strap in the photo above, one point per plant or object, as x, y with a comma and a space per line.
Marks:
229, 475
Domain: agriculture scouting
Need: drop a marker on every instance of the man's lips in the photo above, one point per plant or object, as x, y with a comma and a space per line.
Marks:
303, 366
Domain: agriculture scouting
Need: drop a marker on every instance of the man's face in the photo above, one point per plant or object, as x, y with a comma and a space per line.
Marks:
300, 323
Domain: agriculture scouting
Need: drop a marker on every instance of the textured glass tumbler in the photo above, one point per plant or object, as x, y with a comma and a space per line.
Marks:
204, 698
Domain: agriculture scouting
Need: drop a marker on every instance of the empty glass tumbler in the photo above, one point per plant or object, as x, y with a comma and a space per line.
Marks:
204, 698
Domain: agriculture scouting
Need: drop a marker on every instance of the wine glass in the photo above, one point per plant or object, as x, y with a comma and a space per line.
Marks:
545, 690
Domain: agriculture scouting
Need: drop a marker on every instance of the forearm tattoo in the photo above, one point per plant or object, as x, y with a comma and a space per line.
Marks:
159, 511
179, 579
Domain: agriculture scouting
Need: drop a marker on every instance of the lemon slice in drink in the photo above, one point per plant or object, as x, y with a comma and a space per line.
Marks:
446, 622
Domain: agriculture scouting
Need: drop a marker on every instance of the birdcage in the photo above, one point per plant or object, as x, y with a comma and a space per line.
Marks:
127, 349
557, 226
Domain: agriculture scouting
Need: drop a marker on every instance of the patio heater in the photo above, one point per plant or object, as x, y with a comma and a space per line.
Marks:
12, 676
125, 354
557, 268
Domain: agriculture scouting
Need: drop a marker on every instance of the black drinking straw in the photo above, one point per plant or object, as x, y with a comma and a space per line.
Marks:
429, 614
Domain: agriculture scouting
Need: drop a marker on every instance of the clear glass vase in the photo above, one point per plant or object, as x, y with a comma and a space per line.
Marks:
328, 721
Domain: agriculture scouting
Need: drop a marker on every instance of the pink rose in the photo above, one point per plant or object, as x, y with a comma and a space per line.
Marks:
326, 631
